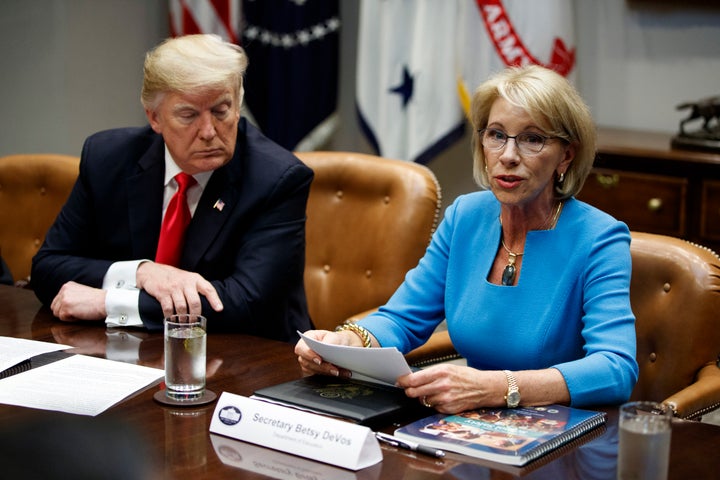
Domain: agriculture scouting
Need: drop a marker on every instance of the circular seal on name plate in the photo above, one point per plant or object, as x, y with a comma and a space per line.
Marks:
230, 415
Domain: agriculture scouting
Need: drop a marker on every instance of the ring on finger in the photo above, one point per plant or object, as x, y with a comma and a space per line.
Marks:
425, 402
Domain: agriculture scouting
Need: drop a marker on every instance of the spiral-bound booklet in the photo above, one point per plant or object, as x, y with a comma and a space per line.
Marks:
513, 436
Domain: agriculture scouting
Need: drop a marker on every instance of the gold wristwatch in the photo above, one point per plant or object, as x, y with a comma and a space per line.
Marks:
512, 397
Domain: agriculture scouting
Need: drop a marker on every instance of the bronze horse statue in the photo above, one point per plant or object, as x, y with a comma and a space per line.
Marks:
707, 109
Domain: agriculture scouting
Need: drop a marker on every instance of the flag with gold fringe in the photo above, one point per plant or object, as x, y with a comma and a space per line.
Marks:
420, 60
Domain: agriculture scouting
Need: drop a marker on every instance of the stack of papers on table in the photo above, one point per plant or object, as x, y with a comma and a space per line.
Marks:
77, 384
15, 351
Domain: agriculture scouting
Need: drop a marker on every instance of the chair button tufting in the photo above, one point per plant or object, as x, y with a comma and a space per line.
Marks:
653, 357
43, 190
339, 194
326, 268
386, 199
666, 287
368, 273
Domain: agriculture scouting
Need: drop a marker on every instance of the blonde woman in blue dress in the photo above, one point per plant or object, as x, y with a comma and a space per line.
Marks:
534, 283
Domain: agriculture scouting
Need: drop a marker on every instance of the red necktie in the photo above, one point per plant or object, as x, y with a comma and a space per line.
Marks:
177, 218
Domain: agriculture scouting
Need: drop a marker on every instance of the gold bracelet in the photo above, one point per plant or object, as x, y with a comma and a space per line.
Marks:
359, 331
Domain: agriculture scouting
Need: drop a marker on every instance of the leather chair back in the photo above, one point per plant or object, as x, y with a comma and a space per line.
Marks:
33, 189
675, 295
369, 221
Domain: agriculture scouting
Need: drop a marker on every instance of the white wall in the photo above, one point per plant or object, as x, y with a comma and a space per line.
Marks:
72, 67
637, 61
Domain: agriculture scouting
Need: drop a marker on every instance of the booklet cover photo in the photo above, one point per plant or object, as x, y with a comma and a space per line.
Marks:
513, 436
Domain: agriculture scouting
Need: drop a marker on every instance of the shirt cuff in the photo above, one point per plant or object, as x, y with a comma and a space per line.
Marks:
121, 301
121, 275
121, 305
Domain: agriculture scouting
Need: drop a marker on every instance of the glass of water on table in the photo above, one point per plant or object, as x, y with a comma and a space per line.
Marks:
185, 357
644, 444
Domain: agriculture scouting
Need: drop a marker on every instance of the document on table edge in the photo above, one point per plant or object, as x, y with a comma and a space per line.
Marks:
16, 350
78, 384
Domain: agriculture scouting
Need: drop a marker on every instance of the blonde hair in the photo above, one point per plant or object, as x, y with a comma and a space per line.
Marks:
192, 62
553, 104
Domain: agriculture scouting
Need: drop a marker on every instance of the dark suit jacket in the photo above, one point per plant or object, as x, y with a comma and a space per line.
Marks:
5, 275
252, 249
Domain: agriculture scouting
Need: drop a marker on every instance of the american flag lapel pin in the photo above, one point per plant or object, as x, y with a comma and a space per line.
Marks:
219, 205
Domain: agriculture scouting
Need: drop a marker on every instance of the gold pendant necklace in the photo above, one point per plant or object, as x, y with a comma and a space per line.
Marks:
508, 275
510, 270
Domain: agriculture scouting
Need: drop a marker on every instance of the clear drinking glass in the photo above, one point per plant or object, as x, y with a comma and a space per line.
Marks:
644, 445
185, 356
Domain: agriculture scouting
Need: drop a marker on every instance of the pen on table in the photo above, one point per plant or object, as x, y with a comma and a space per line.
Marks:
415, 447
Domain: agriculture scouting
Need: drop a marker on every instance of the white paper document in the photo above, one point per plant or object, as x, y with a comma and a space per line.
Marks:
17, 350
78, 384
376, 364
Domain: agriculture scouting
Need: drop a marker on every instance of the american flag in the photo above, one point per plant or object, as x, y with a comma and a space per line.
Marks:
221, 17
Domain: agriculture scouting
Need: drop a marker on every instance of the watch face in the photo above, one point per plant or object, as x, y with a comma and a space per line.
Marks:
513, 399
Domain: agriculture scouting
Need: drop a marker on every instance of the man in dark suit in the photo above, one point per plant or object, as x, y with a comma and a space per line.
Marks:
244, 248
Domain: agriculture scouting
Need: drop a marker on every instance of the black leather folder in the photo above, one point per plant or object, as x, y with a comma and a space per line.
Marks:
362, 402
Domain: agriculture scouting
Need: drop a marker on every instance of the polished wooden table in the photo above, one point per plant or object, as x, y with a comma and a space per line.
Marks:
175, 442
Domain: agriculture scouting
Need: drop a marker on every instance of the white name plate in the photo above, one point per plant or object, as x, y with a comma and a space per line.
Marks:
305, 434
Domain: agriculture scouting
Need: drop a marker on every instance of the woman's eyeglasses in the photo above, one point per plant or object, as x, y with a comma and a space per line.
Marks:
528, 143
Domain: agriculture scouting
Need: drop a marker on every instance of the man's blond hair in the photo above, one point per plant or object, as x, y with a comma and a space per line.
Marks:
186, 64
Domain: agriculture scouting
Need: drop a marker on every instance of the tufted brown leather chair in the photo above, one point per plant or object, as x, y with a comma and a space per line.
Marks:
33, 188
369, 221
675, 295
